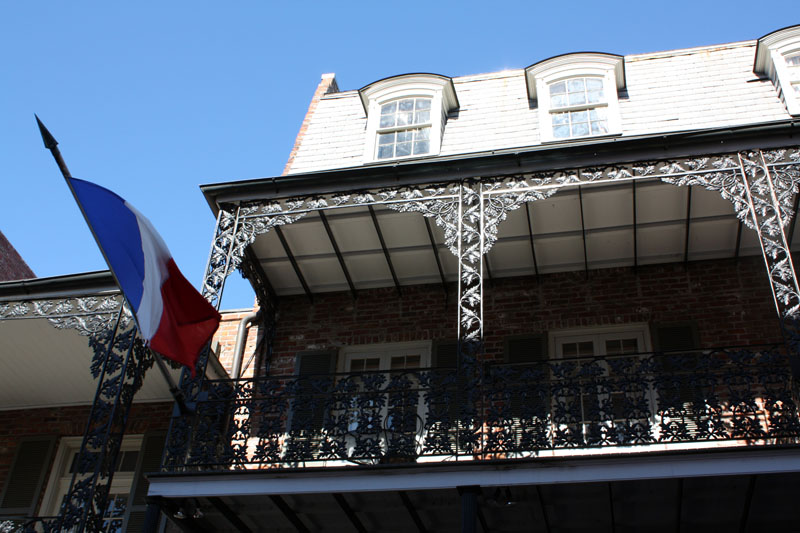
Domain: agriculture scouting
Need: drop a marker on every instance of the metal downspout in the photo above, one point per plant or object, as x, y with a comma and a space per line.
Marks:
241, 341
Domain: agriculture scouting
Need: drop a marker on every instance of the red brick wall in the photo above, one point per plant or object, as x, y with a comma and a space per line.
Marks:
12, 266
68, 422
729, 301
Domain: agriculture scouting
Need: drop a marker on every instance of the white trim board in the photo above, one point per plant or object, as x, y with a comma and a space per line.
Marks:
443, 476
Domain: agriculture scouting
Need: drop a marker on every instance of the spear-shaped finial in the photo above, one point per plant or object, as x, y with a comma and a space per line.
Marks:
49, 141
51, 144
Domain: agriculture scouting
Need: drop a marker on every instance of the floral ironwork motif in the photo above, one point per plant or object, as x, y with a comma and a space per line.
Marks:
88, 315
120, 363
739, 395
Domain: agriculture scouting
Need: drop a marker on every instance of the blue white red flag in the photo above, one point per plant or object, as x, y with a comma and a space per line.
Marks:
173, 317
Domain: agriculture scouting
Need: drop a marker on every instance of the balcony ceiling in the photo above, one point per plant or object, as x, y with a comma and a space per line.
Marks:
31, 377
602, 217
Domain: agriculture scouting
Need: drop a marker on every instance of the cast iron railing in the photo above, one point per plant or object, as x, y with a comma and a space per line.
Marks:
744, 396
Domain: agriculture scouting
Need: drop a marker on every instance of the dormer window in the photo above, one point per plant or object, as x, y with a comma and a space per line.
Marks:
406, 115
576, 95
404, 128
578, 108
778, 57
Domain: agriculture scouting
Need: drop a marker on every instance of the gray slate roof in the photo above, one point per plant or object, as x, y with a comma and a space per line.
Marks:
672, 91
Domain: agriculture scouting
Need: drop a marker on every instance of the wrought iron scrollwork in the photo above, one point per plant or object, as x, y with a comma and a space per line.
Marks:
743, 396
120, 362
88, 315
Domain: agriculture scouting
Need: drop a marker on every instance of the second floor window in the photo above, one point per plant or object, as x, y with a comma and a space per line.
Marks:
404, 128
578, 107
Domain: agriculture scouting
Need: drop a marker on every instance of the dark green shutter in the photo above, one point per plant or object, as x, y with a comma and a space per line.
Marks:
675, 337
149, 461
26, 476
308, 411
445, 358
445, 354
315, 363
678, 369
526, 349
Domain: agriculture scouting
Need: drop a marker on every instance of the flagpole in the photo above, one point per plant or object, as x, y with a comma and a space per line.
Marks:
51, 144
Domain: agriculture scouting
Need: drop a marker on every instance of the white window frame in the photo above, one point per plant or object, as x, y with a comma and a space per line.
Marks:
771, 60
438, 88
597, 335
607, 67
558, 337
385, 351
59, 478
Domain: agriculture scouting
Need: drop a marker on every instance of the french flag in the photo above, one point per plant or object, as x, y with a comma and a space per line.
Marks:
174, 319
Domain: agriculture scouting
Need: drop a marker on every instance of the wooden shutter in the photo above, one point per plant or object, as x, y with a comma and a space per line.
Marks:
149, 461
26, 476
526, 348
674, 337
445, 354
308, 412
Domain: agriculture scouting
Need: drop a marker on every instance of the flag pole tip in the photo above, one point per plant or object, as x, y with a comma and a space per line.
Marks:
49, 141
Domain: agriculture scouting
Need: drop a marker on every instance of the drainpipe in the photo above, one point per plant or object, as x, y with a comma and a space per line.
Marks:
241, 341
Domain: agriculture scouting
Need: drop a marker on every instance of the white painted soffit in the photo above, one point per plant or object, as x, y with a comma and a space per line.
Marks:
41, 366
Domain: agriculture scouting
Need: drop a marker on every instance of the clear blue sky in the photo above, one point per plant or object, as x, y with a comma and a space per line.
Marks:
152, 99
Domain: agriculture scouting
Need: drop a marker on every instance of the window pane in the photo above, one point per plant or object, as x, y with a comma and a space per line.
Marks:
598, 113
579, 116
387, 121
422, 147
423, 134
128, 461
575, 85
561, 132
404, 119
586, 348
406, 105
422, 117
560, 118
388, 109
599, 127
385, 138
581, 128
558, 88
594, 97
423, 103
793, 60
593, 84
385, 152
577, 98
558, 100
403, 136
403, 149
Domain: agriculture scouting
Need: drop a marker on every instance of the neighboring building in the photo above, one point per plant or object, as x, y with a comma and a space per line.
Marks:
559, 298
53, 341
12, 266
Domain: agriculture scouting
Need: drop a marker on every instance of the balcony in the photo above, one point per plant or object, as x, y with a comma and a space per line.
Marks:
720, 397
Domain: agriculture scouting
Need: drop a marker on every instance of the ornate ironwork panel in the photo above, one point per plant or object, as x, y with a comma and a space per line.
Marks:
742, 396
120, 362
88, 315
